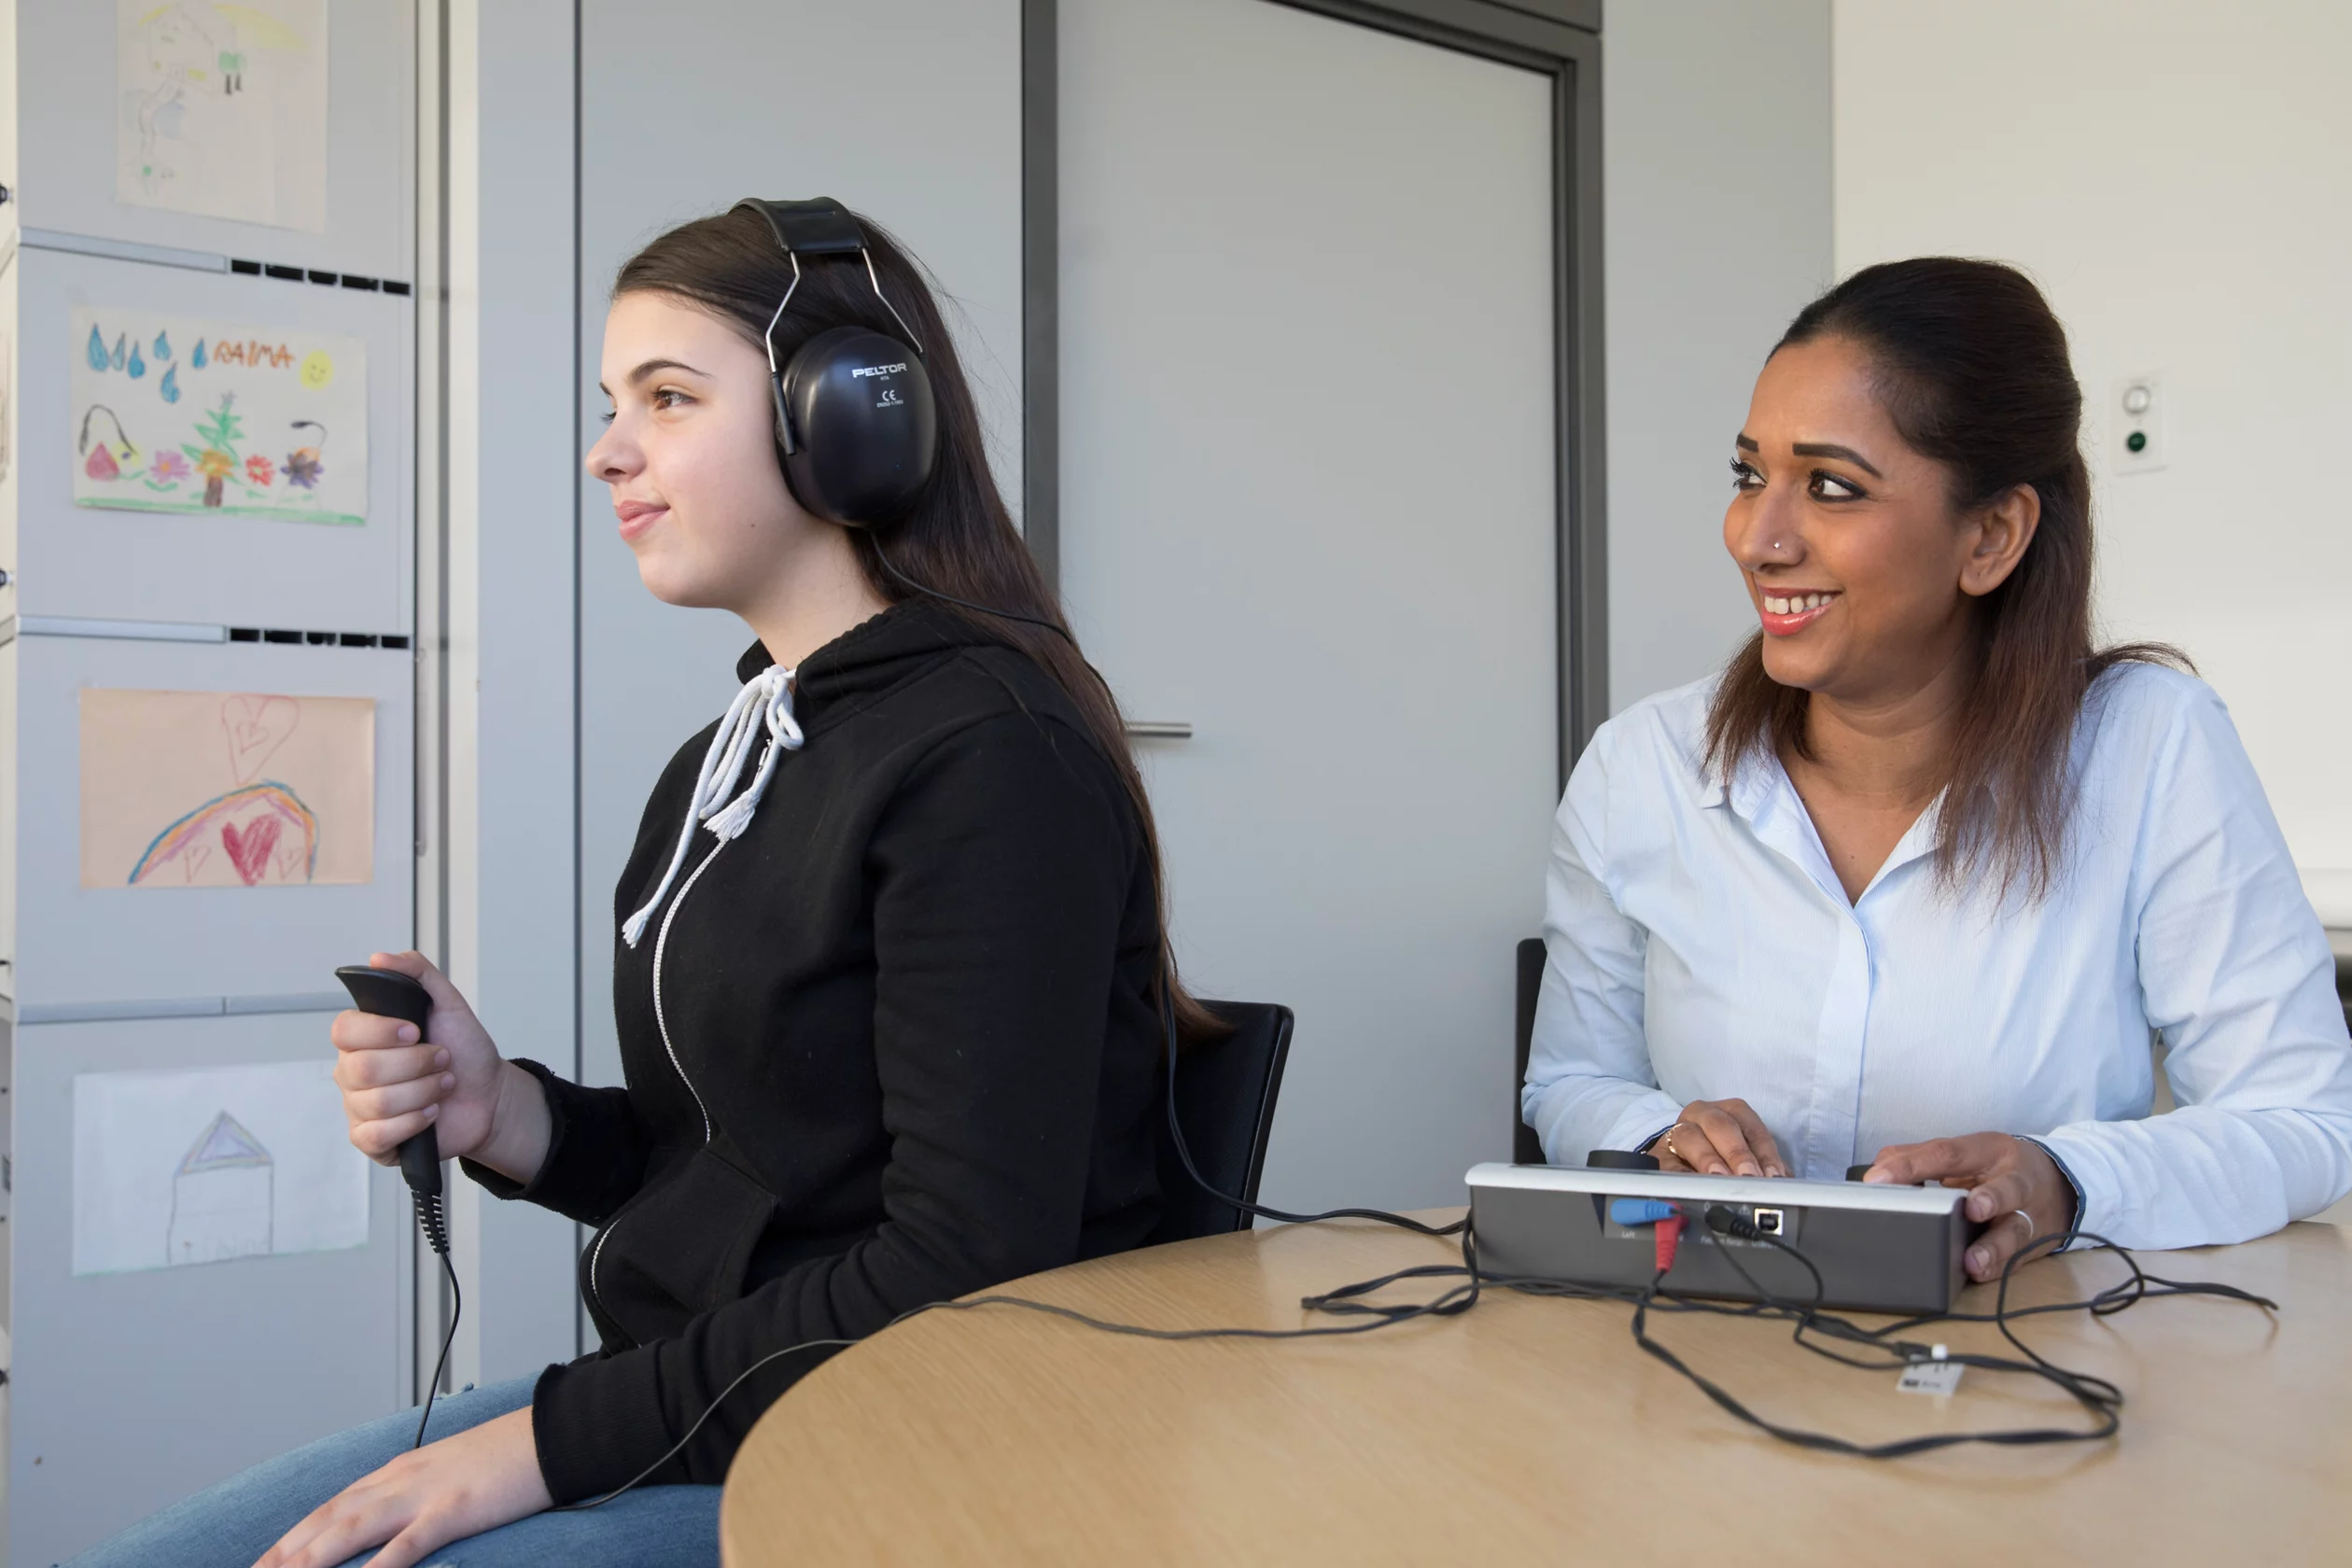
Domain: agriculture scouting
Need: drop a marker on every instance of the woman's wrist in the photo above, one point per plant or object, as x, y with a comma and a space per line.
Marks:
2066, 1192
521, 1127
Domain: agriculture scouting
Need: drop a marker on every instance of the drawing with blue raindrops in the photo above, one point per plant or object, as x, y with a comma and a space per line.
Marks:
236, 423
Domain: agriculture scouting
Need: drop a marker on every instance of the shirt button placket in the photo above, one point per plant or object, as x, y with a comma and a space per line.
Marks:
1830, 1118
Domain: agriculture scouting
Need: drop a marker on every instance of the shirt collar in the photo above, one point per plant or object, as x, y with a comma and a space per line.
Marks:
1744, 787
1759, 791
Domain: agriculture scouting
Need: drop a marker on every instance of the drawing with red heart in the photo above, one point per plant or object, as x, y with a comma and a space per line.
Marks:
272, 838
249, 851
256, 727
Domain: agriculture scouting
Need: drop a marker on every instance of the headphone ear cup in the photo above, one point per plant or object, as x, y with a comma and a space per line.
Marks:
859, 431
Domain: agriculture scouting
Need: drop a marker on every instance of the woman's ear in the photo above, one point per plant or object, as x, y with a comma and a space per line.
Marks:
1997, 534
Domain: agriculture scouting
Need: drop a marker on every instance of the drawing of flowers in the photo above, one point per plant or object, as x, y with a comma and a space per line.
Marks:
167, 471
216, 466
259, 471
217, 457
306, 465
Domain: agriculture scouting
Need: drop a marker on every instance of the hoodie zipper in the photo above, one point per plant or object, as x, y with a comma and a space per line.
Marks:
660, 1024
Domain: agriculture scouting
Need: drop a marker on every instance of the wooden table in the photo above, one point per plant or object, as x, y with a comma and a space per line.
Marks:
1532, 1430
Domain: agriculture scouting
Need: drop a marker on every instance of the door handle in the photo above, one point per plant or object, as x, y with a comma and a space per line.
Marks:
1159, 729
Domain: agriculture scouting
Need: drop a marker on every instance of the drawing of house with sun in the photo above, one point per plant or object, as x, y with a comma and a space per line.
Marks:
222, 1195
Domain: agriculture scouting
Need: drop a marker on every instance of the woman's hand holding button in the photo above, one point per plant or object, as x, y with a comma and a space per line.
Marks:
1719, 1137
393, 1086
2015, 1190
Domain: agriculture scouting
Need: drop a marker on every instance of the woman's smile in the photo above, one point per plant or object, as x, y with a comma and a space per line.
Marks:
637, 516
1786, 613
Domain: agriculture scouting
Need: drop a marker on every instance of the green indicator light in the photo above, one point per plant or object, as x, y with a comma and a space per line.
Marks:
2137, 441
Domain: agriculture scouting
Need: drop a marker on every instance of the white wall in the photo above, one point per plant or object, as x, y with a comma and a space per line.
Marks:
2173, 177
1715, 143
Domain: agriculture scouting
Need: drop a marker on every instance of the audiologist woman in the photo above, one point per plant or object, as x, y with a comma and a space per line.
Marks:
1913, 879
887, 952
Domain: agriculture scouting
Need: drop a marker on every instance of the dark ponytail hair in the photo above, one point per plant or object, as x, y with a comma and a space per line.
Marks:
1971, 367
957, 539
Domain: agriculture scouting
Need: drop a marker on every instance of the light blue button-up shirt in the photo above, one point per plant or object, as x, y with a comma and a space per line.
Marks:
1701, 947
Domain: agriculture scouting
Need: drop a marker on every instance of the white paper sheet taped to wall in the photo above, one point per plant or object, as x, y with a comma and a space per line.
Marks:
216, 418
221, 109
206, 1165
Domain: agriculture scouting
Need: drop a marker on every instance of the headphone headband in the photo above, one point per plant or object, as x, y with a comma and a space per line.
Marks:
815, 228
818, 227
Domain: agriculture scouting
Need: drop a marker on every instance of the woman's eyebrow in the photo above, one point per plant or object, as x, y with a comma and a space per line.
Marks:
652, 366
1826, 449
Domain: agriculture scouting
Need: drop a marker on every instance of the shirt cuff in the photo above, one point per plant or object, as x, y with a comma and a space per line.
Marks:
1641, 1121
2074, 1220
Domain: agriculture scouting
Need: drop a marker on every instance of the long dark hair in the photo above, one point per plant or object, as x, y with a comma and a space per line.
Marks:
1971, 367
957, 539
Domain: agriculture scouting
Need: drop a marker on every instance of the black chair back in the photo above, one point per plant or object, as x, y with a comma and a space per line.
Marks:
1526, 1147
1224, 1098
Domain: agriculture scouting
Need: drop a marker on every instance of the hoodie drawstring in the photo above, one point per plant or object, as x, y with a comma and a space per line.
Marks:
765, 702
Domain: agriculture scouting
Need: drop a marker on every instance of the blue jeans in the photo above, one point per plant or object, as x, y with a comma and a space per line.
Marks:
232, 1524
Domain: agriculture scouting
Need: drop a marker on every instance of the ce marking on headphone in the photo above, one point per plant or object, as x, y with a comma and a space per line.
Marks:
890, 397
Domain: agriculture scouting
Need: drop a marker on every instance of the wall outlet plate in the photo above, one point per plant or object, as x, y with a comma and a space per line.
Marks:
2135, 420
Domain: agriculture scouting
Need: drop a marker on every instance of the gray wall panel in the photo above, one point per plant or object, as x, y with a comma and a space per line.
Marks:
237, 571
108, 944
128, 1391
65, 96
521, 479
1717, 144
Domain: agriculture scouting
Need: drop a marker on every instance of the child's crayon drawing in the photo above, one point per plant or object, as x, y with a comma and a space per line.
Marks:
265, 422
226, 789
222, 108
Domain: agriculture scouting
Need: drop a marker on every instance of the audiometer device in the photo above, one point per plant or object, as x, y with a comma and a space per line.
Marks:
1880, 1248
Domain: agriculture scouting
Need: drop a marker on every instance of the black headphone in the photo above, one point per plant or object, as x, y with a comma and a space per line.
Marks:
854, 413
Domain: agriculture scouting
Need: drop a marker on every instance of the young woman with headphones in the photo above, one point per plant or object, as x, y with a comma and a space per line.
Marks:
887, 952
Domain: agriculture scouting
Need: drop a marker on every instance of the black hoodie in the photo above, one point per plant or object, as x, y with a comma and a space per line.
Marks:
910, 1050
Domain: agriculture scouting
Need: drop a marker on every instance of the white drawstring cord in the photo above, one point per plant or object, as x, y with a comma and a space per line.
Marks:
765, 702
